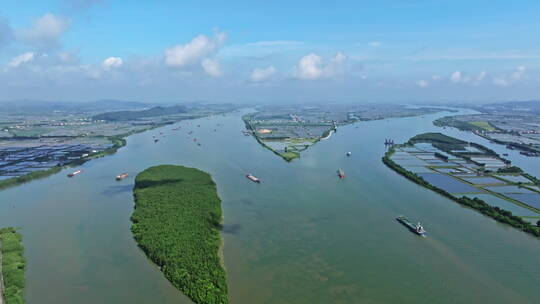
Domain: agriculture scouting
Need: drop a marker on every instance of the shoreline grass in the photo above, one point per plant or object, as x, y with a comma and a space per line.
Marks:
13, 266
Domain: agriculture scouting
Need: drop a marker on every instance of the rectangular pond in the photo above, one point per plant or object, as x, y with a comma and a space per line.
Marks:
418, 169
531, 199
503, 204
448, 183
515, 178
410, 162
508, 189
483, 180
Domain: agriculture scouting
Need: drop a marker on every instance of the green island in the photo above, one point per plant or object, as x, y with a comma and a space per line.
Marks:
176, 222
466, 171
12, 267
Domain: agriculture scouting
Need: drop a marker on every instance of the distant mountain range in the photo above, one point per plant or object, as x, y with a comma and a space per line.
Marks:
38, 106
131, 115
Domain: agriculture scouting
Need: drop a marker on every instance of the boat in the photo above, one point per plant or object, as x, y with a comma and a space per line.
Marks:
417, 229
349, 153
72, 174
253, 178
340, 173
156, 140
121, 176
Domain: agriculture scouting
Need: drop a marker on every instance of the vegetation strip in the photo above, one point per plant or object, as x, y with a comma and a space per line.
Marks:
496, 213
13, 265
176, 222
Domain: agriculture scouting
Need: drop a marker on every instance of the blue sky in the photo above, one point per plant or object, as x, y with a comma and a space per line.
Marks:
270, 51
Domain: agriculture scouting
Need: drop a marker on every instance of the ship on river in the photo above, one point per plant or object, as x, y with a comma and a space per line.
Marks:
341, 173
120, 177
417, 229
72, 174
253, 178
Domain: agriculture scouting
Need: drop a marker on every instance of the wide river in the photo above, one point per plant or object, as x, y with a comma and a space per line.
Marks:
301, 236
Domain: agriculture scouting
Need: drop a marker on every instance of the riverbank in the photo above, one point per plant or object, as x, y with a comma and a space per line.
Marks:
177, 222
445, 143
13, 266
117, 141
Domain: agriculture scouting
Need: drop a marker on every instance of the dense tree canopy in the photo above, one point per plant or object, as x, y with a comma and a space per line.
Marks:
176, 222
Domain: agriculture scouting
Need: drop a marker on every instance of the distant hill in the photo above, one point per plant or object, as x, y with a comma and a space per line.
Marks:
131, 115
40, 106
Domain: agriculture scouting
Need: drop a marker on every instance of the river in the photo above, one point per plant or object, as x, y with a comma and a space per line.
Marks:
301, 236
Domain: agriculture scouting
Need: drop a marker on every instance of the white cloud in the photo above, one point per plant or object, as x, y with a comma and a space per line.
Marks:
456, 76
46, 30
313, 66
422, 83
481, 76
194, 51
375, 43
260, 74
500, 81
516, 76
339, 58
112, 62
211, 67
518, 73
23, 58
309, 67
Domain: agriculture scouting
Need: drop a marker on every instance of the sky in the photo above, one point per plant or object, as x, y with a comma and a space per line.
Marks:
407, 51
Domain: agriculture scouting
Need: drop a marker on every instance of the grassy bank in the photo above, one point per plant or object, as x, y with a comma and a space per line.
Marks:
496, 213
13, 265
176, 222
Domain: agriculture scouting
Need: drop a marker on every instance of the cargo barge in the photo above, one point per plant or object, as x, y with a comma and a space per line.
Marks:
417, 229
253, 178
72, 174
120, 177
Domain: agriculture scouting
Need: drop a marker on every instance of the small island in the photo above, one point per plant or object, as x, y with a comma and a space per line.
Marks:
289, 130
176, 222
472, 175
12, 267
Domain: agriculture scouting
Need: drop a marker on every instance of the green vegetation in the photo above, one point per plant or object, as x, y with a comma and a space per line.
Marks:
176, 222
441, 156
132, 115
289, 155
512, 169
13, 265
484, 125
454, 146
286, 155
496, 213
450, 121
15, 181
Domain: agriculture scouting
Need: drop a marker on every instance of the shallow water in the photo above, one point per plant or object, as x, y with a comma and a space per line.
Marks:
301, 236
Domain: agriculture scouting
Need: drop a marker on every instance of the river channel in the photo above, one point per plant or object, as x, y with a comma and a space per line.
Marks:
301, 236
